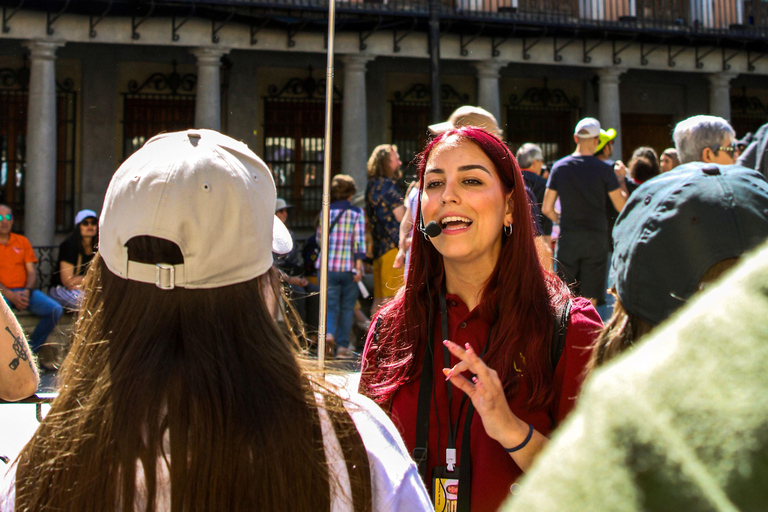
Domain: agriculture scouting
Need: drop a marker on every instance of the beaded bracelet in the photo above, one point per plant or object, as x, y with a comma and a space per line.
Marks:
524, 443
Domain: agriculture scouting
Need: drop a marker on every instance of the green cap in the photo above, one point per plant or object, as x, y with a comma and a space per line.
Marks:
605, 138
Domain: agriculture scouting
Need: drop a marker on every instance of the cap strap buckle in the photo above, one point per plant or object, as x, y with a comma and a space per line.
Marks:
165, 273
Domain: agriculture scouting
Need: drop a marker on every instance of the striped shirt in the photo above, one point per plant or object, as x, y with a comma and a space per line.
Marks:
346, 243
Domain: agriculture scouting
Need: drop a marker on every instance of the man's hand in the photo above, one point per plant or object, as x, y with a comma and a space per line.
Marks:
359, 271
405, 245
19, 299
619, 169
298, 281
399, 259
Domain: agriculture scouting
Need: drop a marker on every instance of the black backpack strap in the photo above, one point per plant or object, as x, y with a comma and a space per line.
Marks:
425, 404
338, 218
465, 468
559, 331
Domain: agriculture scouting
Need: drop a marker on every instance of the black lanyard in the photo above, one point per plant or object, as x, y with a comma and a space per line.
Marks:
424, 407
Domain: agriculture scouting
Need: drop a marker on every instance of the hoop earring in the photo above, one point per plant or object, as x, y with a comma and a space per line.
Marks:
508, 230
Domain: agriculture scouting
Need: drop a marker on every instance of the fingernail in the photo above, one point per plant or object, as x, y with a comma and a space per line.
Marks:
447, 373
474, 379
445, 342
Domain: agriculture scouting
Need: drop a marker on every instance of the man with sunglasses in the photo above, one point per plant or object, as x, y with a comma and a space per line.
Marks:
18, 278
708, 139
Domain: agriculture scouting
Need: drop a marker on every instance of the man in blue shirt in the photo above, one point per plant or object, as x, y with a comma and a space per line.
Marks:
581, 181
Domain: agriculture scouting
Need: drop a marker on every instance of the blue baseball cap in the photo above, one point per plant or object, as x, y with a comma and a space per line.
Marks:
84, 214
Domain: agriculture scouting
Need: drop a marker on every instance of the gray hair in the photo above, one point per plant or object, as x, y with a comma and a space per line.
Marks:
694, 134
527, 154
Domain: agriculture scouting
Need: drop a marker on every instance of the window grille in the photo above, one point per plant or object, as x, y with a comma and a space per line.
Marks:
14, 100
545, 117
411, 117
146, 115
748, 113
169, 107
294, 145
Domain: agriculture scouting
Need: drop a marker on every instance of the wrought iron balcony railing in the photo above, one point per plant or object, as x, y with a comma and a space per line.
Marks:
735, 18
727, 22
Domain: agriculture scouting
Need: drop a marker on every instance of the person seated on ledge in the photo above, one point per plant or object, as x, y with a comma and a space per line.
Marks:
75, 253
18, 277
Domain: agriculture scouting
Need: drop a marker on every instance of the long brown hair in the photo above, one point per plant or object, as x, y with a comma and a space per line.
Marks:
201, 380
520, 298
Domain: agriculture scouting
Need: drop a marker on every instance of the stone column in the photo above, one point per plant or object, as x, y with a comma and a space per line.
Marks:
242, 107
208, 96
354, 138
609, 105
488, 86
98, 159
40, 179
720, 94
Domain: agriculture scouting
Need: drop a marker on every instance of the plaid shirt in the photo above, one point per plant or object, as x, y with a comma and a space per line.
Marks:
347, 240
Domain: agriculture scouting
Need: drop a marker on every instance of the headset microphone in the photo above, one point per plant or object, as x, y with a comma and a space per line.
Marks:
432, 229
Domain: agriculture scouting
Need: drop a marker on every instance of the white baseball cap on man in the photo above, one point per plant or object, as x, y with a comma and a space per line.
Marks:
280, 204
587, 128
207, 193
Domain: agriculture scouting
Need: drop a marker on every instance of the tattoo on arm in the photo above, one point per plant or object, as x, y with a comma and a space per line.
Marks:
21, 353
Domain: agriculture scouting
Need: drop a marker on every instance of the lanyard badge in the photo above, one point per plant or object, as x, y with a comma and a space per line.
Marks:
445, 489
444, 479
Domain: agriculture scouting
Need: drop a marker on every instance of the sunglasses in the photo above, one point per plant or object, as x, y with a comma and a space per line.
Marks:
7, 216
728, 149
89, 222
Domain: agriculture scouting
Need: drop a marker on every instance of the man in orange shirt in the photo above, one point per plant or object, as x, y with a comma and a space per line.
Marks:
18, 277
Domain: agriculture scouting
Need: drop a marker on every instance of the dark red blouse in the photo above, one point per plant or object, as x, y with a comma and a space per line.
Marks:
493, 470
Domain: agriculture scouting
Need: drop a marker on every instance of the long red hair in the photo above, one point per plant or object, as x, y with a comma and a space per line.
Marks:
520, 298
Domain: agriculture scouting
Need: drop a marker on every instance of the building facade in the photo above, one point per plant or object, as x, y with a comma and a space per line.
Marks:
83, 84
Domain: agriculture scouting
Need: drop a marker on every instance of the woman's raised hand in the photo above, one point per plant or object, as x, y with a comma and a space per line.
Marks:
487, 395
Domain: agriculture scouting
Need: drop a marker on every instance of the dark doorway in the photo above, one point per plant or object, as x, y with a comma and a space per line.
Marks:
654, 130
13, 164
294, 149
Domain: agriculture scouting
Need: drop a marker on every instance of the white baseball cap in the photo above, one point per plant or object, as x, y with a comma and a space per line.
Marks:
280, 204
587, 127
207, 193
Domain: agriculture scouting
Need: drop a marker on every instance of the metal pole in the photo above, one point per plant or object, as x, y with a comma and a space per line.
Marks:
434, 60
324, 218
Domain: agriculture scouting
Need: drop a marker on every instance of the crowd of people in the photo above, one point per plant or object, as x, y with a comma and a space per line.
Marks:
177, 397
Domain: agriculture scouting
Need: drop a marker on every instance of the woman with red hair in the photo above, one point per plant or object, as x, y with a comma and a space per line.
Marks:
479, 283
